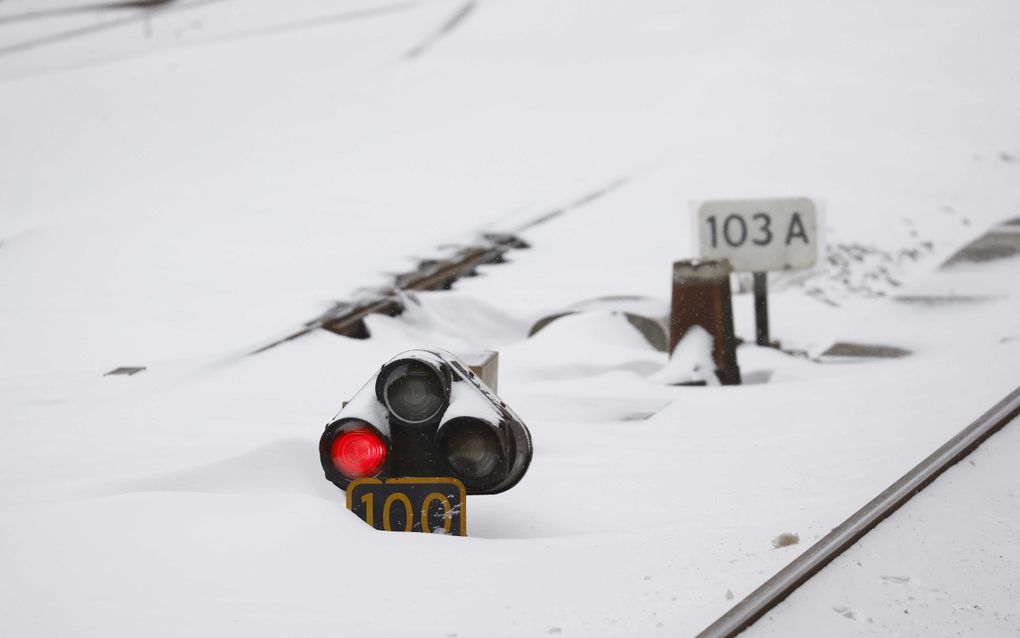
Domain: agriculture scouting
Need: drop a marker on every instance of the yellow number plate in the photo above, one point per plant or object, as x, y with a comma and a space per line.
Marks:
433, 505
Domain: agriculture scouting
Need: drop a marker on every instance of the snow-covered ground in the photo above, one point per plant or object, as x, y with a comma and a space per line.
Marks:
921, 572
181, 187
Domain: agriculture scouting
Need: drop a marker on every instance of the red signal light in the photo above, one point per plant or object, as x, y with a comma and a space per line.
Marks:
358, 453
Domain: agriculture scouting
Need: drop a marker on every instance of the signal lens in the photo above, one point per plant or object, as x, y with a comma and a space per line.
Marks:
472, 449
414, 392
358, 453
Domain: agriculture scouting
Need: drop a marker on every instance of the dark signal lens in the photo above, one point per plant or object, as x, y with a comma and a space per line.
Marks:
414, 392
358, 453
472, 449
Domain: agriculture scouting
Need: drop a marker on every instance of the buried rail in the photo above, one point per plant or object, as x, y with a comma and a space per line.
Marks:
349, 319
776, 589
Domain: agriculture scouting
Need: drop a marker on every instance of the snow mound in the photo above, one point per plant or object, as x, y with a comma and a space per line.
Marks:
584, 345
289, 466
691, 361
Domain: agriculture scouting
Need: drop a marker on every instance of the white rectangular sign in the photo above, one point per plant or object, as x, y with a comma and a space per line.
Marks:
759, 235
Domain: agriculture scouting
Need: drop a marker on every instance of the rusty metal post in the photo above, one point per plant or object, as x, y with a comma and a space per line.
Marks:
702, 297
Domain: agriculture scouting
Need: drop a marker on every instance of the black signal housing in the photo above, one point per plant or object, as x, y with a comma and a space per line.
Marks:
437, 419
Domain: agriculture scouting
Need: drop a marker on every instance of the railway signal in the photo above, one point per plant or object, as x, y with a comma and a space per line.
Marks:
423, 423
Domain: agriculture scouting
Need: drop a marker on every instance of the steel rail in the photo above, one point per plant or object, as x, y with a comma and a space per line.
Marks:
777, 588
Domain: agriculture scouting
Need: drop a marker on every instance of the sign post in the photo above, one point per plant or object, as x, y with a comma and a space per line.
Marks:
760, 236
761, 308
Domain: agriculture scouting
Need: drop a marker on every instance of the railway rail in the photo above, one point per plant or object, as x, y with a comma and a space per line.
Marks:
348, 318
804, 567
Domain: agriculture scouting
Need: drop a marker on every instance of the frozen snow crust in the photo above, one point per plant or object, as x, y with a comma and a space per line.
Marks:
178, 190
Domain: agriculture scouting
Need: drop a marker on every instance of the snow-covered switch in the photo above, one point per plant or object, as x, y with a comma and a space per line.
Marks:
419, 436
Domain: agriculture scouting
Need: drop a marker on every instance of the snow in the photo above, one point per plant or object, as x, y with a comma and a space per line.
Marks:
182, 189
466, 400
691, 360
364, 405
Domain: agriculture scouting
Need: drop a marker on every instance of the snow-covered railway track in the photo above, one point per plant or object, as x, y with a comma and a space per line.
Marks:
804, 567
347, 319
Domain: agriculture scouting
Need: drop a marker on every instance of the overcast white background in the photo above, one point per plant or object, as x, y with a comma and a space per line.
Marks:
182, 186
